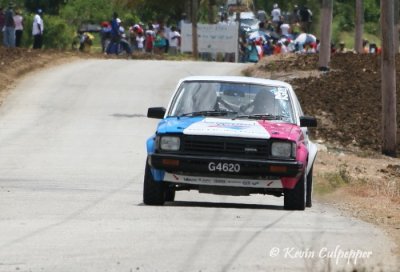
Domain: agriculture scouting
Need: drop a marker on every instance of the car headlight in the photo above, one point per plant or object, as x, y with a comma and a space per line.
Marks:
283, 149
170, 143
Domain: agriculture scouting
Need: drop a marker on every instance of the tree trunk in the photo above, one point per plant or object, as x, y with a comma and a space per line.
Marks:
211, 13
358, 43
326, 31
396, 26
388, 74
195, 8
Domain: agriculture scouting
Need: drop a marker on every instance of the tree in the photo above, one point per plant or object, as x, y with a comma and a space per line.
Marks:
396, 25
195, 6
49, 7
388, 86
326, 33
79, 11
358, 44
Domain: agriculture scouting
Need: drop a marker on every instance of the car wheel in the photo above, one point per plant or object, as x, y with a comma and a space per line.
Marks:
294, 199
153, 192
170, 193
309, 188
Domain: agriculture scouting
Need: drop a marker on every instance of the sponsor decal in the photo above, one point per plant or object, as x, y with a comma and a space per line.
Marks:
271, 182
228, 128
281, 94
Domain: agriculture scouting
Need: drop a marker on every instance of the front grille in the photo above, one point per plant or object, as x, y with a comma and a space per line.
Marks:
225, 146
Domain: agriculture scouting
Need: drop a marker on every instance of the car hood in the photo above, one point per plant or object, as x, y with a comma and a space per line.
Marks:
257, 129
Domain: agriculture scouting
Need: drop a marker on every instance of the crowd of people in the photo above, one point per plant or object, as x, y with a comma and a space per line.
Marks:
280, 33
12, 27
286, 32
153, 38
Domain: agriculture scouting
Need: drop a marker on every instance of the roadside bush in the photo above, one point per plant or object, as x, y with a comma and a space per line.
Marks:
57, 33
27, 39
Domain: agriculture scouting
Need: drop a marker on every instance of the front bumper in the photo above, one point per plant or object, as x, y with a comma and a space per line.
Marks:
249, 168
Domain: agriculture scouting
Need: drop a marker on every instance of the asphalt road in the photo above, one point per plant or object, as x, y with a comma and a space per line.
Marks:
72, 156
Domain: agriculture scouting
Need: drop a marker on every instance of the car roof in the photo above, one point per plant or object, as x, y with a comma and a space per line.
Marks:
239, 79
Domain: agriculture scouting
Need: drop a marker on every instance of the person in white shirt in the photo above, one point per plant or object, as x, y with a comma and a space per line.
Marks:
276, 15
174, 41
140, 41
285, 30
19, 27
37, 30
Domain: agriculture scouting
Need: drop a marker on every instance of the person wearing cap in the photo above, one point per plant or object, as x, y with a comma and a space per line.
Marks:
37, 30
9, 27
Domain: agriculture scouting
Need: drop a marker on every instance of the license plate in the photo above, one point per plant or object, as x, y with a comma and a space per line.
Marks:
224, 167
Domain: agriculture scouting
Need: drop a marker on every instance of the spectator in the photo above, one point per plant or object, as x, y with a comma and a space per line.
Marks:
342, 48
160, 42
365, 46
134, 32
115, 34
278, 48
9, 27
105, 35
294, 16
276, 16
268, 48
19, 27
305, 15
285, 30
174, 41
252, 52
37, 30
1, 23
123, 43
149, 40
140, 41
261, 15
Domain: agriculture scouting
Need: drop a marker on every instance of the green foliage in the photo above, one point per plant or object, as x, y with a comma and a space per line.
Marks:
81, 11
162, 11
57, 33
27, 39
344, 15
49, 7
17, 3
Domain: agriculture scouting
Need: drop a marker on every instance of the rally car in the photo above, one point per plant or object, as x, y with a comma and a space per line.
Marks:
231, 136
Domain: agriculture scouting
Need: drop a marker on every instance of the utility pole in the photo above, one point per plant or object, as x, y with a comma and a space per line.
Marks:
326, 33
358, 43
195, 8
388, 75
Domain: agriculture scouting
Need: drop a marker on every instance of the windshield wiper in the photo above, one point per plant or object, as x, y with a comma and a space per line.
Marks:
264, 116
209, 113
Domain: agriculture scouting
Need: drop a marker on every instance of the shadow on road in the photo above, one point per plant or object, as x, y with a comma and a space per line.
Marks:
220, 205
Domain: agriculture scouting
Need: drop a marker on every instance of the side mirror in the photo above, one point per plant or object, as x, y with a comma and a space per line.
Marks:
157, 112
308, 121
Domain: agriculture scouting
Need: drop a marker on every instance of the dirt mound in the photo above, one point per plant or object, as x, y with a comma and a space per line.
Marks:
346, 101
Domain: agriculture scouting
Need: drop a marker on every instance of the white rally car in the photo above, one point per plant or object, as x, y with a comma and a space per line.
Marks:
231, 136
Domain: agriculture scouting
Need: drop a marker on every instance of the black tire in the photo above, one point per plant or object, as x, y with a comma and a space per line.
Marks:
170, 193
309, 188
294, 199
153, 192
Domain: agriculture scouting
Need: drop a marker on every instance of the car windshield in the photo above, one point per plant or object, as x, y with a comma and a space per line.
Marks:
249, 21
232, 100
